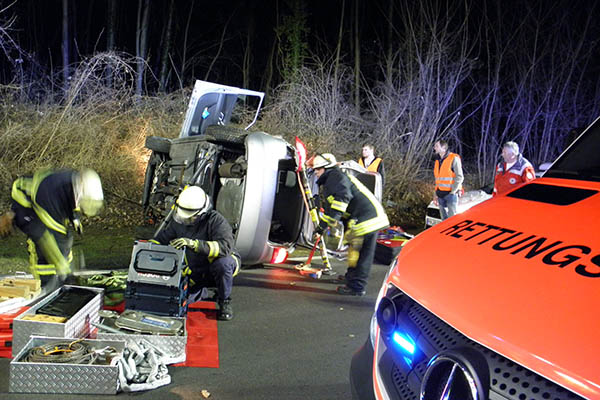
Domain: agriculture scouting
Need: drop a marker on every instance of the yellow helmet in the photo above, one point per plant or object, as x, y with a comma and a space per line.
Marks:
326, 160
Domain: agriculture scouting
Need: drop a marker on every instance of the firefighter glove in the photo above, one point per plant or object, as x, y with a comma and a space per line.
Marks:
179, 243
78, 226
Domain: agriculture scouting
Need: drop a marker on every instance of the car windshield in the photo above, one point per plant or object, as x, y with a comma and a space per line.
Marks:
581, 161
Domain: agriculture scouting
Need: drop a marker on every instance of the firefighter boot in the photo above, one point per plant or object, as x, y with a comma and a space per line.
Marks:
225, 312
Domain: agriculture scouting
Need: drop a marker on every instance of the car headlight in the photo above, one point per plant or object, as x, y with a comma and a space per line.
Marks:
382, 292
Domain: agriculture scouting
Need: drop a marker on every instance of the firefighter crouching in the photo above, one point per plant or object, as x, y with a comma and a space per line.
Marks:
47, 207
348, 199
208, 239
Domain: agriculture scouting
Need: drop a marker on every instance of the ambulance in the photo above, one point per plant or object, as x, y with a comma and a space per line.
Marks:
499, 302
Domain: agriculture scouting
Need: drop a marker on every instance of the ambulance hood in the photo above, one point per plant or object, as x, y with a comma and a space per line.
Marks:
519, 274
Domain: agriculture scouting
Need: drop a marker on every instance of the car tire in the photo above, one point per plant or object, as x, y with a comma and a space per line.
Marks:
158, 144
226, 134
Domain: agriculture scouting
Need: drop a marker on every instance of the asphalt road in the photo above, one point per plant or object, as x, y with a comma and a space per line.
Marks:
291, 338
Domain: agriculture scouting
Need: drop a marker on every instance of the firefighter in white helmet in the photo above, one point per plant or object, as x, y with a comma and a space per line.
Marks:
208, 239
47, 207
349, 200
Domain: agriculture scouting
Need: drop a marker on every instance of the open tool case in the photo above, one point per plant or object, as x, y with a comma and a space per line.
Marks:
77, 305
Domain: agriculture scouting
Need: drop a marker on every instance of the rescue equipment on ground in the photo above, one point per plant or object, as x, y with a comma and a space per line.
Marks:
389, 243
70, 352
142, 323
156, 281
114, 284
312, 208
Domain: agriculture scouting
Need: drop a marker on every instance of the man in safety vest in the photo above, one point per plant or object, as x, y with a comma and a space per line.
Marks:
45, 206
349, 200
372, 163
448, 179
208, 239
514, 171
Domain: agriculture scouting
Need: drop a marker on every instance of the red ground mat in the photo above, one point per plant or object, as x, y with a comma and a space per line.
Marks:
202, 349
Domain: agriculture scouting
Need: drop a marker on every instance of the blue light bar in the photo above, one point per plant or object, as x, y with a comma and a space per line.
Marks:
404, 341
205, 113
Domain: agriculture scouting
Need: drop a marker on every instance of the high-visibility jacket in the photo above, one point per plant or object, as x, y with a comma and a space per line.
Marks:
44, 206
375, 166
347, 198
509, 178
444, 175
213, 232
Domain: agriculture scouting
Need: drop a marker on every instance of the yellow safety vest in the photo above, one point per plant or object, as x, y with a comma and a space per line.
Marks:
373, 167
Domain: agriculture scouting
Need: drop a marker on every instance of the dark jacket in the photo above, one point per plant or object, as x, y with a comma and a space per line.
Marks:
211, 229
49, 197
347, 198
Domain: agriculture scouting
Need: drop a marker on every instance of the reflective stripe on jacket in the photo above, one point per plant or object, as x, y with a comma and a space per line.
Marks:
50, 195
444, 175
213, 232
348, 198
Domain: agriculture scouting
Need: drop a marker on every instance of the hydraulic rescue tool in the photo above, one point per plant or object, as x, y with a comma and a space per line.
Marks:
306, 268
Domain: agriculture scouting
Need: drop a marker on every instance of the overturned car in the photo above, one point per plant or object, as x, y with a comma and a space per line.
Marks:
251, 177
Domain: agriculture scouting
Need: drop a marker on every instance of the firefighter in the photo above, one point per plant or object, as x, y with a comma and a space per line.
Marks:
349, 200
514, 171
46, 206
370, 162
209, 243
448, 179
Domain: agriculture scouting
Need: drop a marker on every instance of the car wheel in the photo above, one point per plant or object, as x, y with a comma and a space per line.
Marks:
158, 144
226, 134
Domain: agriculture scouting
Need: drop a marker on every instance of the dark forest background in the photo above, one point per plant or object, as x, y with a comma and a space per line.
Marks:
84, 82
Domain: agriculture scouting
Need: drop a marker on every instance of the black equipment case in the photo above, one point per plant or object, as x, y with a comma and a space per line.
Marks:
155, 281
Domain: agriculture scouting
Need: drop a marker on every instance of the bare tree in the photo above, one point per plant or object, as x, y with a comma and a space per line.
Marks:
65, 43
356, 55
432, 63
142, 42
164, 60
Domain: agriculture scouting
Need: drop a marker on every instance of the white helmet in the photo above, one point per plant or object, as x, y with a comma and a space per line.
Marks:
88, 192
326, 160
191, 203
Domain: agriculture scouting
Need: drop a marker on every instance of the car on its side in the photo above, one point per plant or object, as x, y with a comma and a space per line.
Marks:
499, 302
251, 177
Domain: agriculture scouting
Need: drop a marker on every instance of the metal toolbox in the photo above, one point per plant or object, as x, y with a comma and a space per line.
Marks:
78, 326
33, 377
172, 346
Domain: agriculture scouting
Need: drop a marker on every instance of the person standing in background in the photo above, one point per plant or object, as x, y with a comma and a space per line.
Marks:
372, 163
513, 171
448, 179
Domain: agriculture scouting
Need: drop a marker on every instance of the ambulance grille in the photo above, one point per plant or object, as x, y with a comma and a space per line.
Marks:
508, 380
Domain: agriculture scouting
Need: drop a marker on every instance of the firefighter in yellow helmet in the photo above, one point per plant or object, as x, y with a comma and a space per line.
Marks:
47, 207
349, 200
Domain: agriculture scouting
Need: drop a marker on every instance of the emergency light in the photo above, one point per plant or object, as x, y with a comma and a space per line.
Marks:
404, 341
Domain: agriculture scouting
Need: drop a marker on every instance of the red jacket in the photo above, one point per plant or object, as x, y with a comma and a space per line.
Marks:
521, 172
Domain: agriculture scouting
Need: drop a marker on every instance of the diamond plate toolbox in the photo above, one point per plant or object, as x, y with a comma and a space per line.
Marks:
78, 326
34, 377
